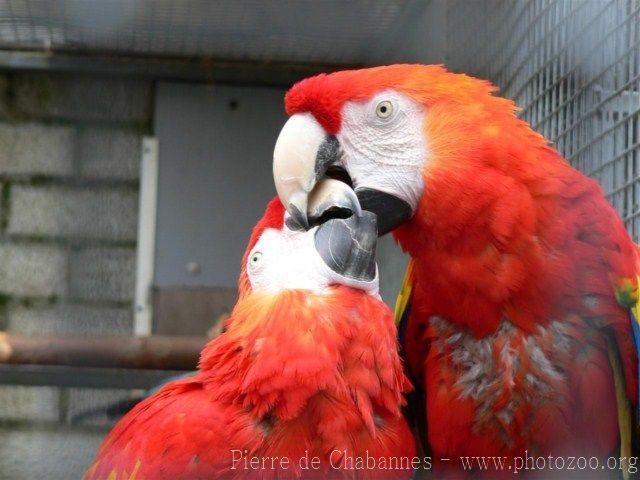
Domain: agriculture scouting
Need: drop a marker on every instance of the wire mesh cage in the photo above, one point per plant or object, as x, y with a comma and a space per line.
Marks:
573, 66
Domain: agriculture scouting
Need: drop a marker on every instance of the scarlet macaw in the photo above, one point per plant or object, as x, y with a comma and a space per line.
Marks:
517, 325
307, 369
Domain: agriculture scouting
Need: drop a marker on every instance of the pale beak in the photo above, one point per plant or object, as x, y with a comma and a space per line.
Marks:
302, 154
334, 198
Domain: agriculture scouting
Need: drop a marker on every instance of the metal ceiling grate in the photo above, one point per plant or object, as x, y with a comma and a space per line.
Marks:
573, 66
264, 30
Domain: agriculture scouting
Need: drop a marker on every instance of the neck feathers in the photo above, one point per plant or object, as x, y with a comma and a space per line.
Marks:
281, 353
512, 231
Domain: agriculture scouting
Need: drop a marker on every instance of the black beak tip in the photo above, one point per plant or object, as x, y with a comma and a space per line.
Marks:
298, 216
390, 210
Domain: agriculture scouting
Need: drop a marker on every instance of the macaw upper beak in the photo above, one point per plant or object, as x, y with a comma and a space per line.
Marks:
303, 153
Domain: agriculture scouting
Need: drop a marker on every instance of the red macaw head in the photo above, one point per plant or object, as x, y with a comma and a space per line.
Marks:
283, 256
389, 132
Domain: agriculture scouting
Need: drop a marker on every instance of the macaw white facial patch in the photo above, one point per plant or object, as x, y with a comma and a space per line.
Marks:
384, 146
287, 259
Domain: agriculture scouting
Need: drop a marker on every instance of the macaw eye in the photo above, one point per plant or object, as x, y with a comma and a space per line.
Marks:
384, 109
255, 259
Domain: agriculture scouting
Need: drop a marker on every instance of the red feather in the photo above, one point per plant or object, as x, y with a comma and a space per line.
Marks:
295, 375
506, 231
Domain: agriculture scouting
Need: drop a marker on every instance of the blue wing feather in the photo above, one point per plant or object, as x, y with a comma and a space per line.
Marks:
636, 341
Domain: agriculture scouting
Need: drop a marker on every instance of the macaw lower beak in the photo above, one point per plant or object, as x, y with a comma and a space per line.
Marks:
348, 247
303, 153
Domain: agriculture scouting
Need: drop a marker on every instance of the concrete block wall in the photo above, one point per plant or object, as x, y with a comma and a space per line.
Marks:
69, 166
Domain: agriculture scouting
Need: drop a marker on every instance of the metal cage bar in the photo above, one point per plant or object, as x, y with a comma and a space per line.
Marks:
573, 66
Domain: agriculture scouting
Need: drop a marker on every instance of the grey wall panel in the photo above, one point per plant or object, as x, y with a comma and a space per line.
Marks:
216, 146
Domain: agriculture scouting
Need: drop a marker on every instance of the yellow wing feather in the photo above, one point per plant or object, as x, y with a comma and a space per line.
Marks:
624, 409
405, 293
627, 295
